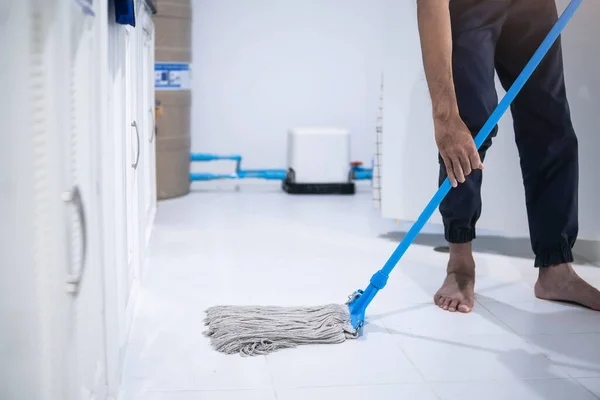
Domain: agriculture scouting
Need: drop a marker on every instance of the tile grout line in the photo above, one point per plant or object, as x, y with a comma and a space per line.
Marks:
535, 347
273, 388
509, 330
427, 383
576, 381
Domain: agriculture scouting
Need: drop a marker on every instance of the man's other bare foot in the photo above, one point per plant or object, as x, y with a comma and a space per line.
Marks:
457, 291
561, 283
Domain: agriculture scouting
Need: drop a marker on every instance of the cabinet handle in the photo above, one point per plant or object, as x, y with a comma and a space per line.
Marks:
73, 280
153, 131
87, 7
137, 135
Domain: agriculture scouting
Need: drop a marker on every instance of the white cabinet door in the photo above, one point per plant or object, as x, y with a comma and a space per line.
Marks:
32, 273
115, 169
80, 156
134, 132
127, 171
146, 109
116, 184
143, 123
151, 210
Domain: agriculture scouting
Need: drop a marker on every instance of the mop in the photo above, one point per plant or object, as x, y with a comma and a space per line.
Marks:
259, 330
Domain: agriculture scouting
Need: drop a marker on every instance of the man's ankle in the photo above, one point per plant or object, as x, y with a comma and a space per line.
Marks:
461, 250
555, 270
461, 259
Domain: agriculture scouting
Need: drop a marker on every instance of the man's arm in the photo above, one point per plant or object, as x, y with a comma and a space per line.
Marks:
436, 47
453, 138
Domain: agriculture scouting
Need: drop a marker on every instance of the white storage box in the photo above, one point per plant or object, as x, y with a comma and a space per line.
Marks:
319, 161
319, 155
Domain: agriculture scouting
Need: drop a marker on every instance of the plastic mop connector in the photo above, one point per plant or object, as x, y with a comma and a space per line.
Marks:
360, 300
256, 330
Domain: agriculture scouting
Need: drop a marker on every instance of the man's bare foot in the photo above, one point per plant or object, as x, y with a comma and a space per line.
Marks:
561, 283
457, 291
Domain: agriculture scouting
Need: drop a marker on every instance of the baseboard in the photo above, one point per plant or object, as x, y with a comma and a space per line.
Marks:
319, 188
589, 250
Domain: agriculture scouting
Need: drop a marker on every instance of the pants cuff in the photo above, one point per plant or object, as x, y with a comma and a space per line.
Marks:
557, 255
459, 236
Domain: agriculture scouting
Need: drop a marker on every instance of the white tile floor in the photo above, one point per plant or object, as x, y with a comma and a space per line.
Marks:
261, 246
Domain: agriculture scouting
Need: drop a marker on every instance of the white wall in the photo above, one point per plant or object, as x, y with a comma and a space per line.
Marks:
410, 167
261, 67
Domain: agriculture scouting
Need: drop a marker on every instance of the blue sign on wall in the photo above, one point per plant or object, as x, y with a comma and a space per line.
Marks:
172, 76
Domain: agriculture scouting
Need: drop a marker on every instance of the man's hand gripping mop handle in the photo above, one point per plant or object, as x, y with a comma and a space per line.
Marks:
359, 300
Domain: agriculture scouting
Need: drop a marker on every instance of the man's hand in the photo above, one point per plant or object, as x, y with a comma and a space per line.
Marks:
457, 148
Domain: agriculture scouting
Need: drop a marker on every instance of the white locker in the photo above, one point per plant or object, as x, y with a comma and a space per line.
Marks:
129, 177
133, 145
81, 165
77, 194
115, 167
115, 177
33, 301
147, 110
75, 214
143, 109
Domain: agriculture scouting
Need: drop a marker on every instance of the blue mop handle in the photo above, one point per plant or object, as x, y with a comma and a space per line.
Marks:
484, 132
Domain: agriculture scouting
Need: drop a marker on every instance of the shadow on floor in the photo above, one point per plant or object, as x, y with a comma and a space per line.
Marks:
552, 356
488, 244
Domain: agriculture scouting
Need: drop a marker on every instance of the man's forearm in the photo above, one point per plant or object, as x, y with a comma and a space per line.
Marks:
436, 47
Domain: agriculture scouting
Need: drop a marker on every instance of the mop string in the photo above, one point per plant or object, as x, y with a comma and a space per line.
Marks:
485, 131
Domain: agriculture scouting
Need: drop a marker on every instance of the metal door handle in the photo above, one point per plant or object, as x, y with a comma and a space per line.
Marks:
73, 280
137, 134
152, 132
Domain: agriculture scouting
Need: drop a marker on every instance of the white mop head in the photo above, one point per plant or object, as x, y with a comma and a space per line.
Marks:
258, 330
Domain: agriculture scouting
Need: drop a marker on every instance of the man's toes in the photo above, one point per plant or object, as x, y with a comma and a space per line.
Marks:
447, 302
464, 308
440, 301
453, 305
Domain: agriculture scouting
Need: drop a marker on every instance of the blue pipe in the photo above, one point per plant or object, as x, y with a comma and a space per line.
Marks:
358, 172
360, 299
269, 174
203, 157
272, 174
213, 157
